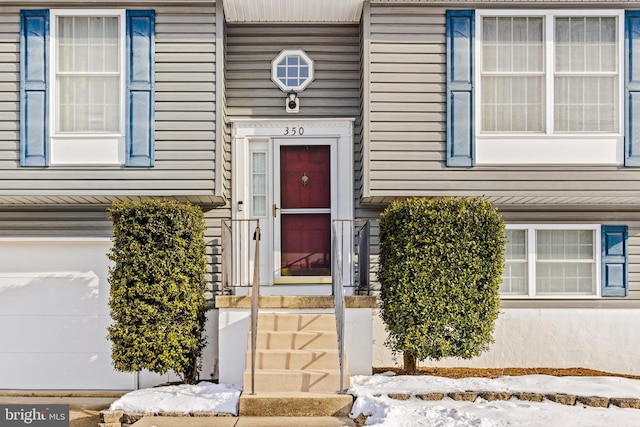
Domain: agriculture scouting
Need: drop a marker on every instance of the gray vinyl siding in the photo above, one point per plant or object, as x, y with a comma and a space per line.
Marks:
184, 115
214, 218
361, 155
213, 240
406, 98
335, 50
52, 221
407, 127
226, 131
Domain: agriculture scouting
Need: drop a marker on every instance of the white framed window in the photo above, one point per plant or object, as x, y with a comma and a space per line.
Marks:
552, 261
292, 70
549, 86
259, 185
87, 67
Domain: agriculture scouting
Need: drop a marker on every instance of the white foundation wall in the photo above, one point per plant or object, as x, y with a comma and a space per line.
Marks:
233, 333
602, 339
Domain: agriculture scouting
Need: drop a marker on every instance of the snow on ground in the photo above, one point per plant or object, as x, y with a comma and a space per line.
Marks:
386, 412
450, 413
203, 397
581, 386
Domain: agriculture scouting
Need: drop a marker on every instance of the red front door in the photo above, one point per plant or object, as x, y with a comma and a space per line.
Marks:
305, 210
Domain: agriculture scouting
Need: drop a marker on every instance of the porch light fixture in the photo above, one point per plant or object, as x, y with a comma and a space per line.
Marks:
292, 72
293, 104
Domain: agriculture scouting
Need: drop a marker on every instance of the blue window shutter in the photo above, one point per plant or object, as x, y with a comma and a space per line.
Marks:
34, 41
140, 88
614, 260
460, 57
632, 88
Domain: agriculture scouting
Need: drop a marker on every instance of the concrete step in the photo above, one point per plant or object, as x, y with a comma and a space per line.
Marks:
314, 322
292, 380
295, 359
295, 422
295, 404
267, 340
162, 421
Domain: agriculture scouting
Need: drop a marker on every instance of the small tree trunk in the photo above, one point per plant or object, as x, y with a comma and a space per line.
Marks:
409, 363
190, 373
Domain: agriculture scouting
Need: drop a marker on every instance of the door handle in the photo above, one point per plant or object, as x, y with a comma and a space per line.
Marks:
275, 210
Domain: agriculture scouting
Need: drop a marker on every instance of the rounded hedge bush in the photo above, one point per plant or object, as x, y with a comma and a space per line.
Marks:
157, 287
440, 270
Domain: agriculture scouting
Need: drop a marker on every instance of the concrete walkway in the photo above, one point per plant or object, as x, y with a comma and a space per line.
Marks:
244, 422
84, 409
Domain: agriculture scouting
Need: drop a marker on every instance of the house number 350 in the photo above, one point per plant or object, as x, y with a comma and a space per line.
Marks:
294, 130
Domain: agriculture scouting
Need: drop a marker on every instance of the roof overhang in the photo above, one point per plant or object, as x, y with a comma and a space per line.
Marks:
291, 11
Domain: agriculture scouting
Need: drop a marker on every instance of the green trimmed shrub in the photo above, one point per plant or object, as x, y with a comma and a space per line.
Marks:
157, 287
440, 266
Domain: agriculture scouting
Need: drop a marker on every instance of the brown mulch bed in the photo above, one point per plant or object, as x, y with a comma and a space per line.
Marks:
499, 372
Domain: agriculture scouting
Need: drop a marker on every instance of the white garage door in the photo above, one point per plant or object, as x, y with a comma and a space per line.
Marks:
54, 316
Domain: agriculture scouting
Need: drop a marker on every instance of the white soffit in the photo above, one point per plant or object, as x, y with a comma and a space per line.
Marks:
248, 11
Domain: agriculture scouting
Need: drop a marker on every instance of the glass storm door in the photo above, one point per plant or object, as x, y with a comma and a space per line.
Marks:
302, 209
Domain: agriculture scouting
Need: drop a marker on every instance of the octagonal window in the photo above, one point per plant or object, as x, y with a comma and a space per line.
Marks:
292, 70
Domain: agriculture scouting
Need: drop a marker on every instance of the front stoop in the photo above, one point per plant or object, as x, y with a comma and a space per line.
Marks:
297, 370
295, 422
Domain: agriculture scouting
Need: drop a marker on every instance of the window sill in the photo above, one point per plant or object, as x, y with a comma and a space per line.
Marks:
529, 149
87, 151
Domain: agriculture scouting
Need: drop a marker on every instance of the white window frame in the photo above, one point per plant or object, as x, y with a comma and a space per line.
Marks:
260, 147
83, 149
280, 83
531, 257
548, 147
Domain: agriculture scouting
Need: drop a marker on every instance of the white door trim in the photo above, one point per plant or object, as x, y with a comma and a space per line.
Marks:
271, 132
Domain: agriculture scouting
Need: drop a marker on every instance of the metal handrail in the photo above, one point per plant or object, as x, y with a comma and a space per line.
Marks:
364, 261
236, 251
338, 291
226, 256
255, 301
342, 237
